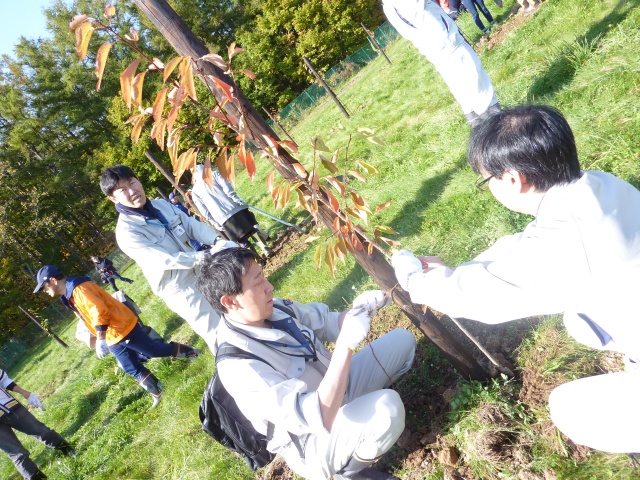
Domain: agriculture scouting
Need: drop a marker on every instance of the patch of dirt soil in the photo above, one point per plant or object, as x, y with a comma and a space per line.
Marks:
284, 246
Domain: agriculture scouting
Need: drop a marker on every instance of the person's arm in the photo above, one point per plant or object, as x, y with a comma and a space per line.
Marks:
354, 326
334, 384
9, 384
532, 274
196, 230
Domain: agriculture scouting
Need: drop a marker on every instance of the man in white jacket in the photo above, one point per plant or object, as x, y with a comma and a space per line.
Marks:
157, 236
328, 414
436, 36
580, 256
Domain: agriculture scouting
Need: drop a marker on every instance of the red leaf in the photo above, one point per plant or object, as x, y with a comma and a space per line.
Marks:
338, 185
83, 36
217, 60
289, 145
382, 206
226, 89
126, 79
101, 61
333, 201
158, 104
355, 241
270, 178
302, 173
77, 20
170, 67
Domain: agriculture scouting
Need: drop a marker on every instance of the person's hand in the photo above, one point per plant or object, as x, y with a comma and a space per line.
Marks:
405, 264
355, 327
429, 263
102, 349
371, 300
35, 401
221, 244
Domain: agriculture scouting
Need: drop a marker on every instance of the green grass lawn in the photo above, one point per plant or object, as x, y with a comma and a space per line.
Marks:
582, 57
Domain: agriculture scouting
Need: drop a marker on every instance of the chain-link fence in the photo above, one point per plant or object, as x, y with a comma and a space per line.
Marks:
54, 316
292, 113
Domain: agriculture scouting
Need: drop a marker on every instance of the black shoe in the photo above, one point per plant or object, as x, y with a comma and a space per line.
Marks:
128, 280
38, 476
66, 448
367, 474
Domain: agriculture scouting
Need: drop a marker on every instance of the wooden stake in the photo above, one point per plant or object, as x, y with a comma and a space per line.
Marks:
326, 87
375, 42
46, 329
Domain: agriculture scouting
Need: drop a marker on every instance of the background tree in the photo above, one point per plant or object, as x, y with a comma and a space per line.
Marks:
286, 30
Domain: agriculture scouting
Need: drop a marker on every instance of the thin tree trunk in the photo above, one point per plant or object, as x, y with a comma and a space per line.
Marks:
173, 28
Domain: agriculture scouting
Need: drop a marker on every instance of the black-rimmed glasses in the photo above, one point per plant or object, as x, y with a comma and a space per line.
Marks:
484, 184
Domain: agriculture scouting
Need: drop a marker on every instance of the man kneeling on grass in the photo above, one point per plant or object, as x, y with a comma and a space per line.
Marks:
114, 324
580, 255
326, 414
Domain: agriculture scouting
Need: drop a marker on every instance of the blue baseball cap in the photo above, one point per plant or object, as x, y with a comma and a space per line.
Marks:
44, 274
172, 195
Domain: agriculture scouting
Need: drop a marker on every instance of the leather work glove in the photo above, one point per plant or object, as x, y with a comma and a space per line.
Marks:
35, 401
102, 349
371, 301
355, 327
405, 264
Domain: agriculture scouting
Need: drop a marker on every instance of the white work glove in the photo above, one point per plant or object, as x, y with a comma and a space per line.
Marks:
371, 301
355, 327
35, 401
102, 349
405, 264
221, 244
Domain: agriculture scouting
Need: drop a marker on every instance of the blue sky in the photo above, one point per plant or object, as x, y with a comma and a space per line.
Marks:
21, 18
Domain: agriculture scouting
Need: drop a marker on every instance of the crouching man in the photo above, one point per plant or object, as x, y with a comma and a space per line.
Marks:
115, 326
326, 414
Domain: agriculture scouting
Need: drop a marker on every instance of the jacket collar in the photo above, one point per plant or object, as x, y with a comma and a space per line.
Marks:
72, 282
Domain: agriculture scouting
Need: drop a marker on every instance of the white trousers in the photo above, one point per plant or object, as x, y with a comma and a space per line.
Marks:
189, 304
371, 418
437, 37
601, 412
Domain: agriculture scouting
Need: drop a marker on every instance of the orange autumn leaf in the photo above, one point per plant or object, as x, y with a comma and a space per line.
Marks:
101, 61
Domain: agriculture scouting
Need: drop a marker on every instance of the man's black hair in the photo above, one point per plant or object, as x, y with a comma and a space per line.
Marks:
221, 274
111, 176
534, 140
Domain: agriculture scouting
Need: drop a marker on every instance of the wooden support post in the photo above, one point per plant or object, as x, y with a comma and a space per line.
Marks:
165, 172
274, 120
375, 42
173, 28
46, 329
326, 87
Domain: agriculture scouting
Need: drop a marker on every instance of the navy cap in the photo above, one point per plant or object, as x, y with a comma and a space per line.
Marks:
44, 274
172, 195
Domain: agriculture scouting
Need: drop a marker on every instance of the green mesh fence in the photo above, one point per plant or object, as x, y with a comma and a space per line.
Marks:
55, 315
292, 113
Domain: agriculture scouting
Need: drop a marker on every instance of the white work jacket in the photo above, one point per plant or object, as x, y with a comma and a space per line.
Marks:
167, 260
580, 256
283, 390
